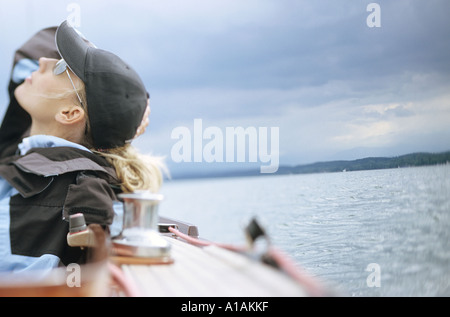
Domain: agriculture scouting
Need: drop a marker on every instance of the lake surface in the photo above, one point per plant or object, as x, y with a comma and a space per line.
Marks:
350, 229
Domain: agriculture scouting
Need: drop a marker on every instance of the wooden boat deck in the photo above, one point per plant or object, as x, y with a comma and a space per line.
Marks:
210, 272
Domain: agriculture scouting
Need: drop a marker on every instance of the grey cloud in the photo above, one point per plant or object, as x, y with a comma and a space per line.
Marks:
399, 111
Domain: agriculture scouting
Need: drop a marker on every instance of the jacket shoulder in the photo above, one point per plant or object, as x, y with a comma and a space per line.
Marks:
61, 160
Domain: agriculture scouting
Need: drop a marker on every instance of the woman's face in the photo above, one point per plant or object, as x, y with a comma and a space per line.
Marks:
43, 93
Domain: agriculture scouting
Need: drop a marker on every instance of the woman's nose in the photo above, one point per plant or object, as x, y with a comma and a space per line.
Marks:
43, 64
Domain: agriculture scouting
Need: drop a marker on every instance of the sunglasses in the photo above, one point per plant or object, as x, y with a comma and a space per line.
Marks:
61, 67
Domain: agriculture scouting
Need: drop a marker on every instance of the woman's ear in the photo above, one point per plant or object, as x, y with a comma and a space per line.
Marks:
70, 115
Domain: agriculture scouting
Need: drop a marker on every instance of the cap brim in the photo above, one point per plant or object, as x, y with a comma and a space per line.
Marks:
72, 48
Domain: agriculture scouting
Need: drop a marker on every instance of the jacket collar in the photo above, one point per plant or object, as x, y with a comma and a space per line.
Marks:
34, 172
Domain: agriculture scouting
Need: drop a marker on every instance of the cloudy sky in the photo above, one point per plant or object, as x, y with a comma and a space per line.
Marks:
335, 87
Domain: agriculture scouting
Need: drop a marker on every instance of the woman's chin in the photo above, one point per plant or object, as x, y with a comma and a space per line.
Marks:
20, 94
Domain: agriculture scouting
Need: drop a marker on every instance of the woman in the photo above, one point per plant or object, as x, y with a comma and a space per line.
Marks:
65, 146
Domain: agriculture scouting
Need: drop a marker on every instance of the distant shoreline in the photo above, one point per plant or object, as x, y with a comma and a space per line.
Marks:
368, 163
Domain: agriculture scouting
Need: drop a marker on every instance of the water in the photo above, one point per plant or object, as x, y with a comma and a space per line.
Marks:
335, 225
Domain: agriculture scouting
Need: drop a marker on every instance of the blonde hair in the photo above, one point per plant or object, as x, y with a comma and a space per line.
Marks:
135, 171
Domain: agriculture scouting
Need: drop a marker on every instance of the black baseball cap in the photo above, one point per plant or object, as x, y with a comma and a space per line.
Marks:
116, 96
